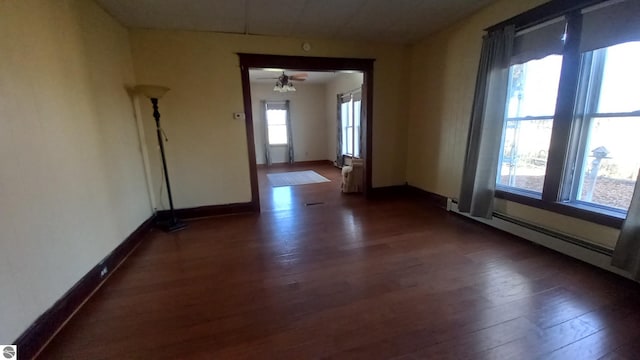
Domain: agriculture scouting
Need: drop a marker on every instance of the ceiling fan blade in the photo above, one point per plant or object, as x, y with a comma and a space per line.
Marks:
299, 75
267, 78
296, 79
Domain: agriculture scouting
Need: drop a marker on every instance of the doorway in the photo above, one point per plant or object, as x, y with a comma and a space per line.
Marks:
301, 63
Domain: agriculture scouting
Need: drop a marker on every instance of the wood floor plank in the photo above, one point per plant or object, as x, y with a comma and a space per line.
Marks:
346, 279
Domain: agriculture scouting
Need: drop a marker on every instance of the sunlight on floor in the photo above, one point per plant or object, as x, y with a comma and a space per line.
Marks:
281, 197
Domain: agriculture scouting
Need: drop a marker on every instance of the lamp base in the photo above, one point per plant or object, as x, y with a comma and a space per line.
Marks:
171, 225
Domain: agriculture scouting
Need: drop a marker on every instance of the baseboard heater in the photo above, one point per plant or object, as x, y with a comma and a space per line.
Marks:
555, 234
569, 245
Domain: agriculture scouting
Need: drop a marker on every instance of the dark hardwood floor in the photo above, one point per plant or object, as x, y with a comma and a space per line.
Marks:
351, 278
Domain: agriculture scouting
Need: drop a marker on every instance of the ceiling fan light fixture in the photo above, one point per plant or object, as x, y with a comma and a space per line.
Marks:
284, 82
282, 88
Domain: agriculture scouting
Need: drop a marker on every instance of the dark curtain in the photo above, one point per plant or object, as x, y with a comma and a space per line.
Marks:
487, 119
289, 133
339, 132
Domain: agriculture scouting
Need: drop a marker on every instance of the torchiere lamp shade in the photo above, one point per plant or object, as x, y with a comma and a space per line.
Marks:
151, 91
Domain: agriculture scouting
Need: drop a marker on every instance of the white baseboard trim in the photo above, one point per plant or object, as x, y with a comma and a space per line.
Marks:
558, 243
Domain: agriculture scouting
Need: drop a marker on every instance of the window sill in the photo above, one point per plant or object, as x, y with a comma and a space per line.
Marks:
580, 211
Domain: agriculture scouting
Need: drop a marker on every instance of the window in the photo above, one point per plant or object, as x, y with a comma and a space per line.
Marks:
350, 109
571, 132
531, 102
346, 114
607, 128
276, 126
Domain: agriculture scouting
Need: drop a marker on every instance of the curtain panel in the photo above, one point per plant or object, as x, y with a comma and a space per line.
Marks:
339, 131
357, 96
623, 25
626, 254
487, 118
289, 133
267, 148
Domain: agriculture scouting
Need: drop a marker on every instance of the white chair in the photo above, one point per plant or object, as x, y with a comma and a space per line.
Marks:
352, 176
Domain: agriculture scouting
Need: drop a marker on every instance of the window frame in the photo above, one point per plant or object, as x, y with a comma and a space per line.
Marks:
590, 85
568, 131
518, 119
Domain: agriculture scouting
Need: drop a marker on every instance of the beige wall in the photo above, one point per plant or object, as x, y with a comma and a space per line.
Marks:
72, 184
308, 123
443, 72
207, 150
340, 84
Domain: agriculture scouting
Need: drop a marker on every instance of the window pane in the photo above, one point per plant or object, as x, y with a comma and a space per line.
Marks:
277, 134
608, 157
533, 87
345, 113
356, 139
350, 140
611, 162
356, 143
523, 159
344, 139
276, 117
620, 79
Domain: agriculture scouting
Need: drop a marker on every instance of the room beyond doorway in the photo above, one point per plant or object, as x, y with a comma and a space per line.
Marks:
297, 122
306, 64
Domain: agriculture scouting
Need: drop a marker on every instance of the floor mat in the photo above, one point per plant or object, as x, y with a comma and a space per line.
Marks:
296, 178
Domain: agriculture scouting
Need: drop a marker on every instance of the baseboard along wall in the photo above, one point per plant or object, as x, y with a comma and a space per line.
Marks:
38, 335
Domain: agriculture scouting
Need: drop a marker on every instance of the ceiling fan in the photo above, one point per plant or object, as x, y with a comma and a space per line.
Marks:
284, 81
284, 78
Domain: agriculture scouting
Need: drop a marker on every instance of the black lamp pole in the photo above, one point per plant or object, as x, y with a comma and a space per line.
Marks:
173, 224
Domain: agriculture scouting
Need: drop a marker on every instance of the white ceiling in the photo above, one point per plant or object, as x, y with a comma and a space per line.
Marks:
313, 77
397, 21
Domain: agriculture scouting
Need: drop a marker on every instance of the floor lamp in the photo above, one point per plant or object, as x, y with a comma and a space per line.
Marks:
154, 92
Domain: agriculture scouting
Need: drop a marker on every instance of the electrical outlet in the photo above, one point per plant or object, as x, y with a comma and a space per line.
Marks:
104, 272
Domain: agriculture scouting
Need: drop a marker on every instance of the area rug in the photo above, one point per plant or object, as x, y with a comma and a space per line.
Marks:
296, 178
